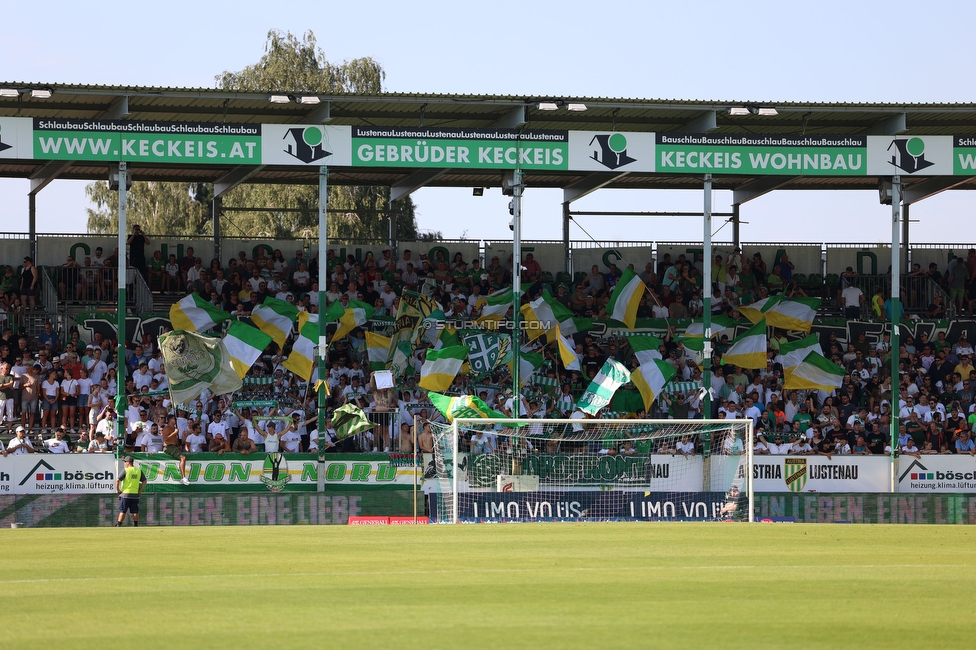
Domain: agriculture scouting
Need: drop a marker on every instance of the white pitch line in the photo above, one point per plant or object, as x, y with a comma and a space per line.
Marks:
721, 567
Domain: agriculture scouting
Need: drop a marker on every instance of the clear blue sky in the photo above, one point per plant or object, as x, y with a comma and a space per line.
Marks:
760, 51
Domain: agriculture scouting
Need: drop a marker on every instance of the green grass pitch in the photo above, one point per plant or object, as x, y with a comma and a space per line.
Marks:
494, 586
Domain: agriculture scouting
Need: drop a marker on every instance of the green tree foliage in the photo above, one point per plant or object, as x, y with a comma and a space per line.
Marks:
289, 64
170, 208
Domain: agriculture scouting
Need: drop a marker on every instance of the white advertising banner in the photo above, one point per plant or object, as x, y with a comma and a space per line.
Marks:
821, 474
57, 474
16, 138
928, 155
300, 144
602, 151
937, 473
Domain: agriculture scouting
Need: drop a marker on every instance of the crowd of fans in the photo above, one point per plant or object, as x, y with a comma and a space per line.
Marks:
64, 390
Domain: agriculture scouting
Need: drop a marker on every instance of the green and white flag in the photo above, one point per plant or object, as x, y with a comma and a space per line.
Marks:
650, 379
626, 298
275, 318
349, 420
645, 348
749, 349
378, 350
244, 344
792, 313
194, 314
795, 352
302, 356
355, 314
465, 406
598, 394
496, 306
441, 367
815, 372
529, 362
487, 351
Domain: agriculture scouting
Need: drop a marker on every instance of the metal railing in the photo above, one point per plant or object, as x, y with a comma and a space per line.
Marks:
917, 292
49, 292
141, 293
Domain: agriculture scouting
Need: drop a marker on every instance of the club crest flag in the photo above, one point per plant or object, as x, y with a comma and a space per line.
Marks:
598, 394
194, 314
487, 351
195, 362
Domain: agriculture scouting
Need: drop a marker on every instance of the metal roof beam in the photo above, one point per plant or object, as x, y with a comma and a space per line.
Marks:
704, 123
929, 187
891, 125
118, 109
414, 182
321, 114
756, 188
233, 178
43, 176
588, 185
513, 119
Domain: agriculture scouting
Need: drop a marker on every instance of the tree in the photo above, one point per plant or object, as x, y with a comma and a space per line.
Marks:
298, 65
289, 64
170, 208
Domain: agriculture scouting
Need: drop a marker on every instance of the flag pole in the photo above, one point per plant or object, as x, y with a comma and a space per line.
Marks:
323, 347
416, 437
516, 290
707, 301
120, 315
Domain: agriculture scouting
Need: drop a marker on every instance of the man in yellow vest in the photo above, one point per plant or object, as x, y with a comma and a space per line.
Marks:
129, 486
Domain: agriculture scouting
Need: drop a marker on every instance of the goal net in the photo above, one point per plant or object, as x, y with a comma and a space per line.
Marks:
591, 470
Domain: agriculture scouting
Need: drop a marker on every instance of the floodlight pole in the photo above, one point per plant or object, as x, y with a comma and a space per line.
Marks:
707, 300
121, 263
323, 347
516, 289
895, 317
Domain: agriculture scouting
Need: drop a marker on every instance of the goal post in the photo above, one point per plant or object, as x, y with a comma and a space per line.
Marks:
497, 470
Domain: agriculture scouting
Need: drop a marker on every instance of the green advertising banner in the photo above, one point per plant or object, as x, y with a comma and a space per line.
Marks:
761, 154
459, 148
297, 145
147, 142
964, 160
224, 509
277, 472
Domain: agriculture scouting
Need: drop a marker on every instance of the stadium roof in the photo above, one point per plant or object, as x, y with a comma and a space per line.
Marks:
479, 111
